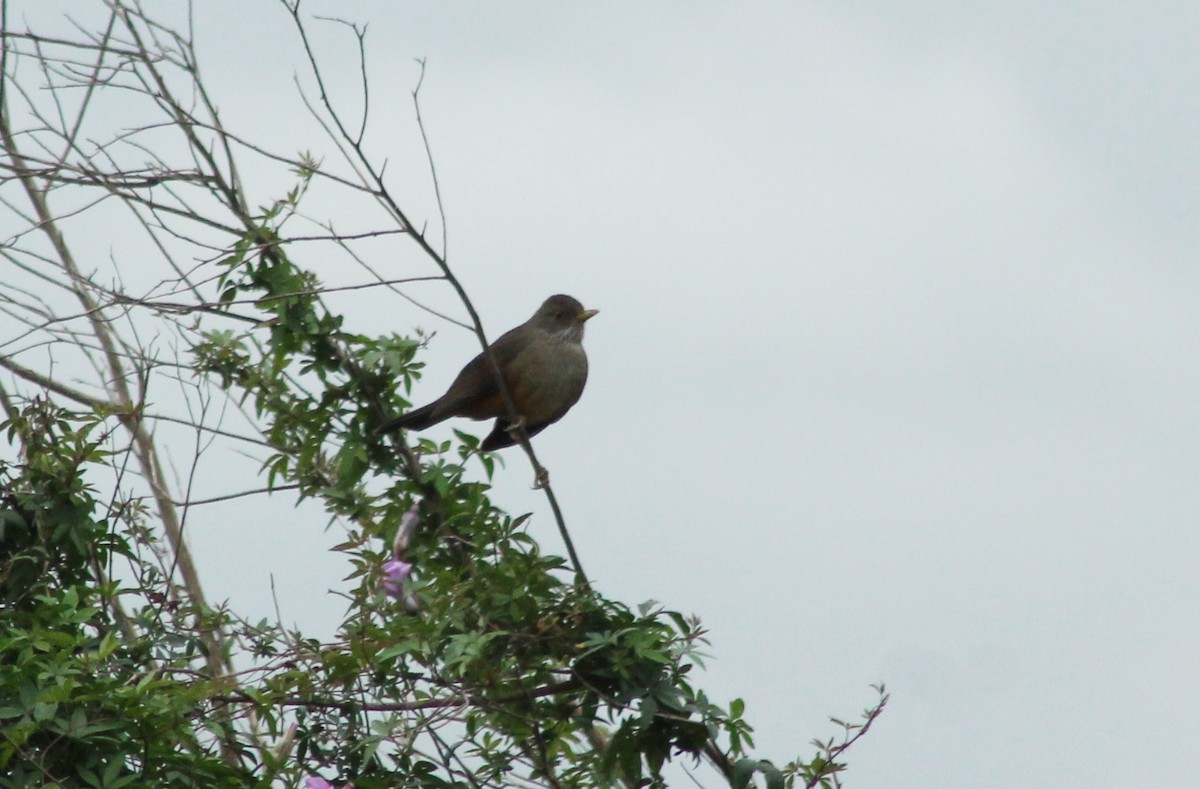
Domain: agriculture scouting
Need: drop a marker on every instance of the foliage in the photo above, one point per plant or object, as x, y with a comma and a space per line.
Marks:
486, 661
93, 695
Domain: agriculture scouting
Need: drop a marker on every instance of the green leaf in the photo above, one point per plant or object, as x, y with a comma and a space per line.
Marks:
108, 644
401, 648
744, 770
112, 771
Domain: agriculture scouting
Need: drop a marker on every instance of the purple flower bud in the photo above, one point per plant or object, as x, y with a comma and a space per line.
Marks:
408, 527
317, 782
395, 572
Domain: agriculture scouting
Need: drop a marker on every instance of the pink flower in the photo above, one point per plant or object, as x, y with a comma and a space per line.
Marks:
395, 572
317, 782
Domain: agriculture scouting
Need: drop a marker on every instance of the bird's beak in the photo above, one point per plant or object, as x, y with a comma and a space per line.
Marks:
583, 316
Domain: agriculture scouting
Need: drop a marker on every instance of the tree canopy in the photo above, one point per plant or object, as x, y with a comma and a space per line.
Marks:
469, 654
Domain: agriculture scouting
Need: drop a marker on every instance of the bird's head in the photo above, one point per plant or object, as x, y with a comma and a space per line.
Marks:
562, 315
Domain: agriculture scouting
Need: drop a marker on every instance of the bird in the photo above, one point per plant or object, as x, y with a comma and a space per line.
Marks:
544, 368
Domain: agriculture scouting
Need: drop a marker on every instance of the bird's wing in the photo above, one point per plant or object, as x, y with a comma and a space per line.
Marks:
476, 385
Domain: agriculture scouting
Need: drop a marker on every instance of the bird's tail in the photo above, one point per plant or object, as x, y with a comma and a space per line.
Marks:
417, 419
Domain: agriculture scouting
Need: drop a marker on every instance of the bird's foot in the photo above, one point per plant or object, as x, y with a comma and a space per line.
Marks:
542, 479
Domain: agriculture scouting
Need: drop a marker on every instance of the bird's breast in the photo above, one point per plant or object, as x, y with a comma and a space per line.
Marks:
546, 379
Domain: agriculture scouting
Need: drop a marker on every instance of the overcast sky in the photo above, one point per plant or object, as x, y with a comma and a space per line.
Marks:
895, 374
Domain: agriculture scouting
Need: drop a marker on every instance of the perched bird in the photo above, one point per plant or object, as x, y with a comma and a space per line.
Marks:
544, 369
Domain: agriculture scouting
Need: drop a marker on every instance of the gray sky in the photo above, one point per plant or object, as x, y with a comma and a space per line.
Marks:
895, 373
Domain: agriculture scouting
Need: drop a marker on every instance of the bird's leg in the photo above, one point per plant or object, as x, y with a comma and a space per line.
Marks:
515, 427
542, 478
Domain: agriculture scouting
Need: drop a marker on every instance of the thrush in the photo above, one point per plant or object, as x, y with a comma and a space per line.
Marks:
544, 369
